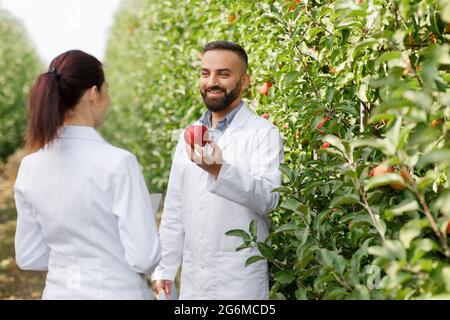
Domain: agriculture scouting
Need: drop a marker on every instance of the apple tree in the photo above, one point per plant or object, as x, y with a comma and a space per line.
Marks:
359, 90
19, 65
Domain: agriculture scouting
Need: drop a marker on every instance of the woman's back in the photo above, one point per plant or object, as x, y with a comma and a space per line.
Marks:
84, 212
88, 197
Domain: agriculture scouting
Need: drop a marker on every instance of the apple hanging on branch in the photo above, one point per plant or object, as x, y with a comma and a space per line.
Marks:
265, 88
196, 134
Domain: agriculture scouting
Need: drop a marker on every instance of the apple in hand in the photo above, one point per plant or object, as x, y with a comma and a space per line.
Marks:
196, 134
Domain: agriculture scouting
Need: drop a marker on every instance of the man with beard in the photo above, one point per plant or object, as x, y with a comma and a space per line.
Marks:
223, 186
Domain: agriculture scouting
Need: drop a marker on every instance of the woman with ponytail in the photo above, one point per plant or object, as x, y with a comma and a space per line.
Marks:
84, 213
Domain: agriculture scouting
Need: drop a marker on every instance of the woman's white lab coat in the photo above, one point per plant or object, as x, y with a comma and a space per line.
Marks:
84, 215
198, 210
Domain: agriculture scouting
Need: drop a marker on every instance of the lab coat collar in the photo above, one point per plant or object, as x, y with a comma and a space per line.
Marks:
240, 118
80, 132
238, 122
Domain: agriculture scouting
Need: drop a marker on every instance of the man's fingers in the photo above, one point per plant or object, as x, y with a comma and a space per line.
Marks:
198, 154
168, 288
189, 152
217, 153
158, 286
213, 144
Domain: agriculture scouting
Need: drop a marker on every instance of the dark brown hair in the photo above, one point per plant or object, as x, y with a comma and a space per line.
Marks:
230, 46
58, 91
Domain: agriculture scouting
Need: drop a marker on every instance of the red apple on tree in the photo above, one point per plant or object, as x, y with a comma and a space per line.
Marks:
322, 122
265, 88
196, 134
265, 116
382, 169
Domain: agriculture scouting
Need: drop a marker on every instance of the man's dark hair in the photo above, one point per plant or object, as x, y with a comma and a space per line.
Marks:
228, 45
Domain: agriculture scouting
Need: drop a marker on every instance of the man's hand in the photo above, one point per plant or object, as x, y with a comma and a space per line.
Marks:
160, 285
211, 163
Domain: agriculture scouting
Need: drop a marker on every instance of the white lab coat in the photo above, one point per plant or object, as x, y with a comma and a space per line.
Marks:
199, 209
84, 215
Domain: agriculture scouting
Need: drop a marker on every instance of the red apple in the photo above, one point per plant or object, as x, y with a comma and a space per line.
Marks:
265, 88
380, 170
448, 228
265, 116
325, 145
196, 134
322, 122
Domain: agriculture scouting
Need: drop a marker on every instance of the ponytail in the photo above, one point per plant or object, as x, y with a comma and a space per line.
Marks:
46, 112
58, 91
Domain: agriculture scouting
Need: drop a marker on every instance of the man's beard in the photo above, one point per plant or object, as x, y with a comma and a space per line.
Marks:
216, 105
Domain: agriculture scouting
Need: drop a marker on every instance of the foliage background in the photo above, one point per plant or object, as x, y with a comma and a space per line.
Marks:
376, 70
19, 65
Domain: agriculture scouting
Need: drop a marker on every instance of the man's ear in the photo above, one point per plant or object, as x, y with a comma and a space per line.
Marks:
246, 80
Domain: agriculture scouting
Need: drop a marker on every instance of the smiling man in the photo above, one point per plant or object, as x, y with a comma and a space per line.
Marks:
223, 186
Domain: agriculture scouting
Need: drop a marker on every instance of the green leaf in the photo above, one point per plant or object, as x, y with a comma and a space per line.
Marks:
361, 219
287, 171
421, 247
243, 246
288, 227
332, 259
335, 142
380, 144
302, 235
393, 134
362, 92
384, 180
410, 231
238, 233
361, 292
253, 259
390, 55
409, 205
391, 250
435, 156
285, 277
419, 98
381, 225
291, 76
445, 11
277, 296
265, 250
335, 293
345, 199
443, 203
301, 294
446, 277
252, 228
291, 204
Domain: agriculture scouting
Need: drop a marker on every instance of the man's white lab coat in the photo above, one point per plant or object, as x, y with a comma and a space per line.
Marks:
199, 209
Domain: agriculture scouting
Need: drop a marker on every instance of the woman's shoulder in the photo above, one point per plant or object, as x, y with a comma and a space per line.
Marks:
116, 156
